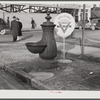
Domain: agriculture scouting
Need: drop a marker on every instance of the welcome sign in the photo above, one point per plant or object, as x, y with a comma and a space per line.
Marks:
65, 24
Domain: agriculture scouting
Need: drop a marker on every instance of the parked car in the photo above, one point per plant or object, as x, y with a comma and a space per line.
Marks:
3, 27
87, 24
93, 24
97, 26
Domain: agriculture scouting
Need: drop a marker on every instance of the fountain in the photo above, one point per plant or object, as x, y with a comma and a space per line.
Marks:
46, 47
35, 47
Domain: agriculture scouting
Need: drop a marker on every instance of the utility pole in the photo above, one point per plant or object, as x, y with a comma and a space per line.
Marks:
4, 15
83, 30
57, 8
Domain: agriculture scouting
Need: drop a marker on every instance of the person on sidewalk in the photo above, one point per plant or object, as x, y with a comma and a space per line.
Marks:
14, 29
8, 21
33, 23
19, 30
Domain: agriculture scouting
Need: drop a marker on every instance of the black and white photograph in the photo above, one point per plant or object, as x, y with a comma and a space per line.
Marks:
50, 46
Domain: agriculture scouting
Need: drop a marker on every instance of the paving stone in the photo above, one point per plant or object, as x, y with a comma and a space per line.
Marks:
42, 75
65, 61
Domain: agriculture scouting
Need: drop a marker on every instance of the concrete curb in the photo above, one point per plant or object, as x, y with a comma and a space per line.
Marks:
92, 40
28, 79
23, 30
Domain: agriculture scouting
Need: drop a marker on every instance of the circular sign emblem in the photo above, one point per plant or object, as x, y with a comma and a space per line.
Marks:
65, 24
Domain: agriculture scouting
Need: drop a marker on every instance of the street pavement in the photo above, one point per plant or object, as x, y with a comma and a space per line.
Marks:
9, 49
8, 82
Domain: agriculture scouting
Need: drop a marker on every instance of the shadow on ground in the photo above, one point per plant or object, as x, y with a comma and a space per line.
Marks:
24, 38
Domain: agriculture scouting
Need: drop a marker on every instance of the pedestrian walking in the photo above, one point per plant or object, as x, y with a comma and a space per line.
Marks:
8, 21
14, 29
19, 30
33, 23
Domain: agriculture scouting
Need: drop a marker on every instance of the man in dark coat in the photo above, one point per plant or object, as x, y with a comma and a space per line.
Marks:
14, 29
19, 30
33, 23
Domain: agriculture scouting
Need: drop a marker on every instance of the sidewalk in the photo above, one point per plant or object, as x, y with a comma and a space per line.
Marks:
29, 29
76, 49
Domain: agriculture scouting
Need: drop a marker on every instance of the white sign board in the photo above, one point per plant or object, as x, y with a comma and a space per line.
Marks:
65, 24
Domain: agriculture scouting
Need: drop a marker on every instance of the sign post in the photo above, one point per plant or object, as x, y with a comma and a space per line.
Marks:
65, 25
83, 30
64, 55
